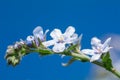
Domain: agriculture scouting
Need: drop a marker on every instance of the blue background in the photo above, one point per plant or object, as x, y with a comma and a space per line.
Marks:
18, 18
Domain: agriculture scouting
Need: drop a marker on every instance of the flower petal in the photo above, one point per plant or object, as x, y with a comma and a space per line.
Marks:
74, 36
76, 39
30, 38
56, 33
95, 41
48, 43
38, 33
71, 39
38, 30
59, 47
29, 43
80, 38
106, 43
69, 31
95, 57
88, 51
106, 49
46, 32
37, 41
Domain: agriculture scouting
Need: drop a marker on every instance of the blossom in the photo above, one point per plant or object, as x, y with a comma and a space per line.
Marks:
10, 49
30, 40
38, 35
60, 40
97, 48
17, 45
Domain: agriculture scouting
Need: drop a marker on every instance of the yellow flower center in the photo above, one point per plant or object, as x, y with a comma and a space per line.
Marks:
61, 39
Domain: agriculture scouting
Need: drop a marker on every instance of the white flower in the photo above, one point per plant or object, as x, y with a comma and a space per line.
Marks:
18, 45
37, 35
97, 48
59, 39
10, 49
30, 38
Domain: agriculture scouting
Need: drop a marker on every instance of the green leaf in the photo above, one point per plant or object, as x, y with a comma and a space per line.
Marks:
107, 62
72, 47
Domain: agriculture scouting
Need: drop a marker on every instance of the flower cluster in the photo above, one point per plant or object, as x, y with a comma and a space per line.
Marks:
64, 43
21, 48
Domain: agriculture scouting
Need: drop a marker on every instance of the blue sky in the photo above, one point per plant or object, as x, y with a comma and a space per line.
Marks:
19, 17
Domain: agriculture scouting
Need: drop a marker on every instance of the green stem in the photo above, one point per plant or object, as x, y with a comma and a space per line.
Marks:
112, 70
83, 57
80, 56
115, 72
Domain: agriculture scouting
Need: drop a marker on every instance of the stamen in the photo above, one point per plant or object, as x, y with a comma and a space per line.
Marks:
61, 39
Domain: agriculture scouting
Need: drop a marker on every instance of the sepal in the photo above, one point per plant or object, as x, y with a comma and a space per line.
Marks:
69, 62
106, 60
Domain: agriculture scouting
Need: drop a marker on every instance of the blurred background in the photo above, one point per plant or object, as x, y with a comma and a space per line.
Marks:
18, 18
